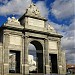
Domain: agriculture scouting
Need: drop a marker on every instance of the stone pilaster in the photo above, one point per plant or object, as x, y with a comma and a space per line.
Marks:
59, 58
63, 60
47, 66
1, 62
6, 53
25, 56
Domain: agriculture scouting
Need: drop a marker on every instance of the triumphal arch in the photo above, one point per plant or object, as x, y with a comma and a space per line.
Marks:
18, 57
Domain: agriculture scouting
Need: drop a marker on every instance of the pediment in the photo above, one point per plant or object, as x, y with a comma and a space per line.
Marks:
32, 10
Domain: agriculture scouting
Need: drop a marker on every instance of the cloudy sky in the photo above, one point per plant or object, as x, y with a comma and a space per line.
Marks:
60, 14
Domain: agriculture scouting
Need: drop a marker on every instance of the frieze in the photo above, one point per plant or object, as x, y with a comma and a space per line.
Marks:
11, 32
54, 38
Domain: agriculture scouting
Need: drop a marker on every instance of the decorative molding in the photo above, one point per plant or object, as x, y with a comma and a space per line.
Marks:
13, 23
13, 20
33, 11
50, 28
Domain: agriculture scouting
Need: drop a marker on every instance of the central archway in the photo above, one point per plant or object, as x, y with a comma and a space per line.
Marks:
35, 57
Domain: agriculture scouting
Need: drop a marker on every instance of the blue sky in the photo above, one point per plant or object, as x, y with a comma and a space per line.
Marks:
60, 14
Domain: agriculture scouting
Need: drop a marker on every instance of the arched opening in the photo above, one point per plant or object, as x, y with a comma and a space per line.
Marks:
35, 57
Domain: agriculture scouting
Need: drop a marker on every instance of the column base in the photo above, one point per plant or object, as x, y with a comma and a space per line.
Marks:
47, 69
62, 70
25, 69
0, 68
6, 69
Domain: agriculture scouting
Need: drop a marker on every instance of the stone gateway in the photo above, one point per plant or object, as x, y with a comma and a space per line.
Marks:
15, 37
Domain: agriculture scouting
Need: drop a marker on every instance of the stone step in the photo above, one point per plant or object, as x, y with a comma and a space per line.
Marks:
36, 74
29, 74
15, 74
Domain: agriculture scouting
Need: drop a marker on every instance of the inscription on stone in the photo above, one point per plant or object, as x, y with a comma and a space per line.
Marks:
35, 22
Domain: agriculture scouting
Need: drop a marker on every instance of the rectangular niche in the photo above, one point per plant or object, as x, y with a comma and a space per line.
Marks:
52, 45
35, 22
14, 61
15, 40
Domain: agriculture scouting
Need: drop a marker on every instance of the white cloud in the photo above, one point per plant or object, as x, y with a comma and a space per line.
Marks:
1, 0
70, 58
63, 8
19, 7
59, 28
4, 1
68, 40
14, 7
31, 47
42, 8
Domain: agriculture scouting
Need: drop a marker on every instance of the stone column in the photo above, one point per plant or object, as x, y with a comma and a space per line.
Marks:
47, 67
6, 53
25, 56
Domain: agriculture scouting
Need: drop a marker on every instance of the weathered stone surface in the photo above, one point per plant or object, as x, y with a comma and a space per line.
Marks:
53, 45
35, 22
16, 40
31, 28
